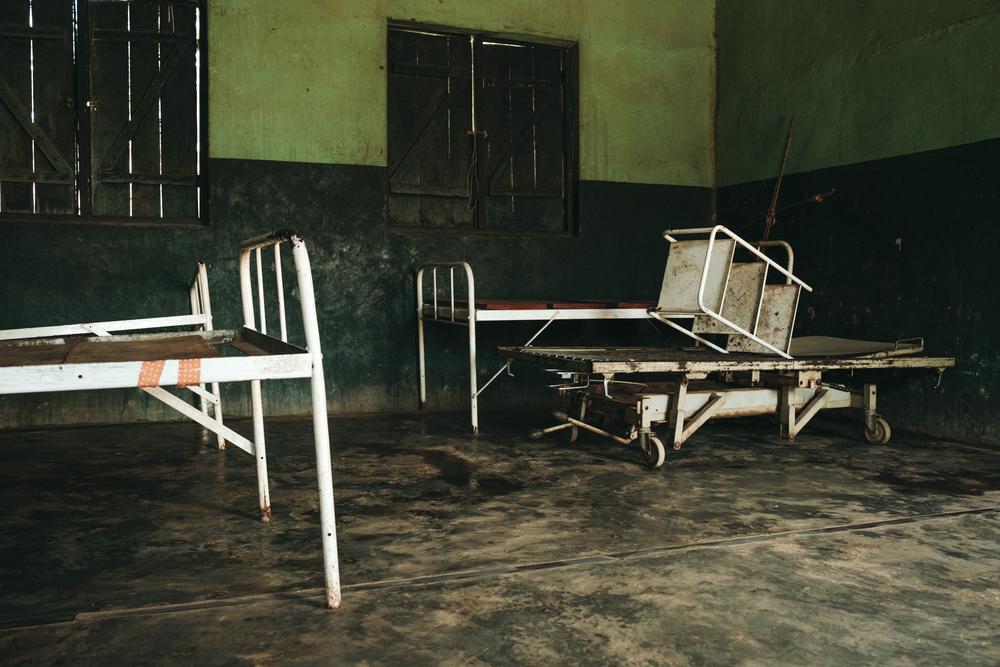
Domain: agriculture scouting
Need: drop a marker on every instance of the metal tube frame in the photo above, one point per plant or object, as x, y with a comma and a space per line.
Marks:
471, 316
321, 432
671, 234
286, 362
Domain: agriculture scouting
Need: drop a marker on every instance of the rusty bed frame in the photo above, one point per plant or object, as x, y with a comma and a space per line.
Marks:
78, 357
719, 284
677, 391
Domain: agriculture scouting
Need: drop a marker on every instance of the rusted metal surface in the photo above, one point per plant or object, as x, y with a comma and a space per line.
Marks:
775, 323
742, 302
683, 275
669, 360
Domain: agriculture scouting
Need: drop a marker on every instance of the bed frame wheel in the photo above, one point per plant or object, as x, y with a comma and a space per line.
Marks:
880, 434
653, 451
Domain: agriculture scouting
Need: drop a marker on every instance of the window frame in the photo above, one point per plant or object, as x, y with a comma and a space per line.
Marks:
83, 176
571, 133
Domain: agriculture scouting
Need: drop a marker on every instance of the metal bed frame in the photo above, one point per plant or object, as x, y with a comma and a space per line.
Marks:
80, 357
436, 302
761, 369
692, 386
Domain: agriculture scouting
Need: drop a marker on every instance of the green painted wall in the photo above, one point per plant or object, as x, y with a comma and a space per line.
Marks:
864, 79
304, 80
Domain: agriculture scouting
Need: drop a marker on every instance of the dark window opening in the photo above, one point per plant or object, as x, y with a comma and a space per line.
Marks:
102, 110
482, 132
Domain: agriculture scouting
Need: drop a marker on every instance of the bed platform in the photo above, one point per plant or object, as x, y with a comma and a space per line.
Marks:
111, 355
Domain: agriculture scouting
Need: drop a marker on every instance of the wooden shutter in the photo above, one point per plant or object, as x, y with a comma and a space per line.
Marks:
37, 116
430, 116
143, 108
520, 105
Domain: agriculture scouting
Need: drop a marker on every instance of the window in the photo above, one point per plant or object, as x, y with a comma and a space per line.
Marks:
102, 109
482, 132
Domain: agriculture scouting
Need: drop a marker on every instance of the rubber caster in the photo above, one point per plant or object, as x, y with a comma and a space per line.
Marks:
881, 434
536, 434
653, 451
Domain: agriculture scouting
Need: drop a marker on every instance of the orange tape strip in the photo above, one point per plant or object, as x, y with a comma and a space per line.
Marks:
189, 372
149, 374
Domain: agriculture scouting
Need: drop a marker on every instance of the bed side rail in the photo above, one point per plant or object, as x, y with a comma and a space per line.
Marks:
442, 294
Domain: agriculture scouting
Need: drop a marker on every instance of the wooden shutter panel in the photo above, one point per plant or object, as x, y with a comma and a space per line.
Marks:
144, 129
430, 114
37, 171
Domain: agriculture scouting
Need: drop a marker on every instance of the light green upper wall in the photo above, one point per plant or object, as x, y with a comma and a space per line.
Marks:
864, 79
305, 80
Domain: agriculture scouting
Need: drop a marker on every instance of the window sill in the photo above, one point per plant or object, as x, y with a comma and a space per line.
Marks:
402, 230
105, 221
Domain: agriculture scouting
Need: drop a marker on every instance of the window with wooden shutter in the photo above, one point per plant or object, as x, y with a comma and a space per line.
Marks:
482, 132
102, 109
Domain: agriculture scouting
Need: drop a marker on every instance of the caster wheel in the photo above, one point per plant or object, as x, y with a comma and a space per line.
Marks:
653, 451
880, 434
536, 434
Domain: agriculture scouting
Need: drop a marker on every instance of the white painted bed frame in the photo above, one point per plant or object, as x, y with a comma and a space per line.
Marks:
444, 310
282, 361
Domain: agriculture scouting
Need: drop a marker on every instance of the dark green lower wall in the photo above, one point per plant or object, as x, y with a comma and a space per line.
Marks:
62, 273
939, 281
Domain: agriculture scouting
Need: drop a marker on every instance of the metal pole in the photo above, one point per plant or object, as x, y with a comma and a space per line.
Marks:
473, 381
281, 292
421, 360
260, 292
321, 431
256, 402
206, 308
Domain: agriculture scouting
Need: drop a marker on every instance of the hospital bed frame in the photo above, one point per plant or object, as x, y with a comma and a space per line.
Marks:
438, 301
692, 386
79, 357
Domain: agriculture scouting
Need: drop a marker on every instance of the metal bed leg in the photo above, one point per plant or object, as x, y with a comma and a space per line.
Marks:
421, 361
677, 414
260, 451
321, 428
218, 411
200, 296
473, 382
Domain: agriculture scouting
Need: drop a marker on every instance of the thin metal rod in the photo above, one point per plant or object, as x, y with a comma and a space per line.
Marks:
421, 361
206, 310
260, 292
531, 340
281, 292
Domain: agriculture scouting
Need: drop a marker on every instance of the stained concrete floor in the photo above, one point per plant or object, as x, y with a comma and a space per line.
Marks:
137, 544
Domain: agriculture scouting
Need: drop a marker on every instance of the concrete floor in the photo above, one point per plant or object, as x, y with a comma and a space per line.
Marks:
138, 544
